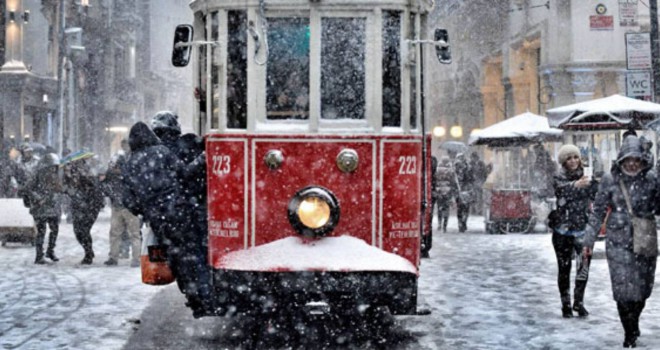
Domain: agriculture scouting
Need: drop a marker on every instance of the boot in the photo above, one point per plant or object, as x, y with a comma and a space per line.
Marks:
50, 252
88, 258
566, 311
51, 255
39, 259
630, 341
578, 307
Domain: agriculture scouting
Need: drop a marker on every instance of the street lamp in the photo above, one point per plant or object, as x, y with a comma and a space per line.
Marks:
456, 131
439, 131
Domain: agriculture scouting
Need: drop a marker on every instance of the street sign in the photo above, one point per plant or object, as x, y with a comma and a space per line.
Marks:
638, 51
599, 22
639, 86
628, 13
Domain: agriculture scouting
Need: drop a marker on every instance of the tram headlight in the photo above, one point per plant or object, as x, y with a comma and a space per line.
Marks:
313, 211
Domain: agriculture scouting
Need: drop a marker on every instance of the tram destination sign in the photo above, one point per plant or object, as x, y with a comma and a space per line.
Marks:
638, 51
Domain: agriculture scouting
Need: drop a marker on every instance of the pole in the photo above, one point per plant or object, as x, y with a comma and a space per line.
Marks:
60, 75
655, 49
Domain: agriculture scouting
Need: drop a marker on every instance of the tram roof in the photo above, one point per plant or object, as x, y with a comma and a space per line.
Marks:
417, 5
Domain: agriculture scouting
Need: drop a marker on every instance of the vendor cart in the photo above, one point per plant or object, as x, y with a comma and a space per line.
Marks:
511, 188
16, 223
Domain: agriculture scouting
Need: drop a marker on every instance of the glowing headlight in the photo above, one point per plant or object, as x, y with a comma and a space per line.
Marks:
313, 211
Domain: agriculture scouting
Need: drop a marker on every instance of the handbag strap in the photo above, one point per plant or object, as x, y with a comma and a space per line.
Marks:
626, 197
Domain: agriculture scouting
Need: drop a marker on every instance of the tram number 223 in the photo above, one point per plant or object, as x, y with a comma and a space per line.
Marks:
407, 165
221, 164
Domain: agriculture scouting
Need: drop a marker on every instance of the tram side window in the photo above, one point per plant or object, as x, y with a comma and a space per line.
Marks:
201, 83
237, 70
391, 68
343, 68
215, 71
413, 80
287, 82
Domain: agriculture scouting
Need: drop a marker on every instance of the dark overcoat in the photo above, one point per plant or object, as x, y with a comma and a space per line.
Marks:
632, 275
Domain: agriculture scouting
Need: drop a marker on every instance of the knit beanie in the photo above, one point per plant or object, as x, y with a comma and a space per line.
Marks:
565, 152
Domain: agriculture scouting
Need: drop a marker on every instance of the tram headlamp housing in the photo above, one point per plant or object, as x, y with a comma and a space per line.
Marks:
313, 211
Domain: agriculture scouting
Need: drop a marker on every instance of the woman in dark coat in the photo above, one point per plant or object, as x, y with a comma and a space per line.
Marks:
568, 221
86, 202
632, 275
42, 192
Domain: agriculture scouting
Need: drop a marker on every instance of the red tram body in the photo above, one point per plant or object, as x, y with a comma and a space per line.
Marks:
318, 199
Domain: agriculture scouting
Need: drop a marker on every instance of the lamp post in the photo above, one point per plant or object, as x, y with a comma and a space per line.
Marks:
655, 49
60, 75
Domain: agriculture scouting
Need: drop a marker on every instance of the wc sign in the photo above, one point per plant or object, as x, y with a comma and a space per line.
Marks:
639, 86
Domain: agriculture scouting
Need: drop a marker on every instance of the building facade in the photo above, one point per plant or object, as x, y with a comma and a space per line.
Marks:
513, 56
77, 74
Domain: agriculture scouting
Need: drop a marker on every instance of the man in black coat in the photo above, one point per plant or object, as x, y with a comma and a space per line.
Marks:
42, 192
189, 148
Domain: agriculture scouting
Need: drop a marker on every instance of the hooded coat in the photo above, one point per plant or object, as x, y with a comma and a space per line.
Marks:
632, 275
150, 176
44, 190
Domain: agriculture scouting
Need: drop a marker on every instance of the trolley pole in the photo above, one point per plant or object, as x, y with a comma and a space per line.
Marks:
655, 49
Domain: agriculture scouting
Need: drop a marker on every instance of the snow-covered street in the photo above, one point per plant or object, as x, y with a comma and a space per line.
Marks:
484, 291
65, 305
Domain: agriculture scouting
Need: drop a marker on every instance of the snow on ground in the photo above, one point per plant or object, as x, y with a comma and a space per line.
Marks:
484, 291
500, 292
65, 305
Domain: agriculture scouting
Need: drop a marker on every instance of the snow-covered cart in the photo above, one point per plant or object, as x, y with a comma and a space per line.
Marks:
16, 223
509, 196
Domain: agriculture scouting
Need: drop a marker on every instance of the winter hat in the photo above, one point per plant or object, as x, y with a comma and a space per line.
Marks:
566, 151
165, 122
630, 147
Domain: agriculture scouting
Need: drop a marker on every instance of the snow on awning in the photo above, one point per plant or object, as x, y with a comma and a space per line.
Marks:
522, 129
613, 112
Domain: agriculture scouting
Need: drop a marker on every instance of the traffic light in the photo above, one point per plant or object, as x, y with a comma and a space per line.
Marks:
443, 51
181, 51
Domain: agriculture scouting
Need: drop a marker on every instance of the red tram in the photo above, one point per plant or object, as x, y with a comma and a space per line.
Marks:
316, 149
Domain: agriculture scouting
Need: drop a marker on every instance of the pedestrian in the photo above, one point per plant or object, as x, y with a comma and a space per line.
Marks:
631, 191
7, 171
189, 251
43, 191
83, 189
479, 175
574, 192
125, 245
427, 238
465, 197
447, 189
64, 198
121, 219
543, 172
26, 167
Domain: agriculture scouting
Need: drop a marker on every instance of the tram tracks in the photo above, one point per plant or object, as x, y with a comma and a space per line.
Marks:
40, 305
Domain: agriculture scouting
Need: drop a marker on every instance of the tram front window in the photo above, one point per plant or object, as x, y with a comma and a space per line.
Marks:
343, 68
287, 84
